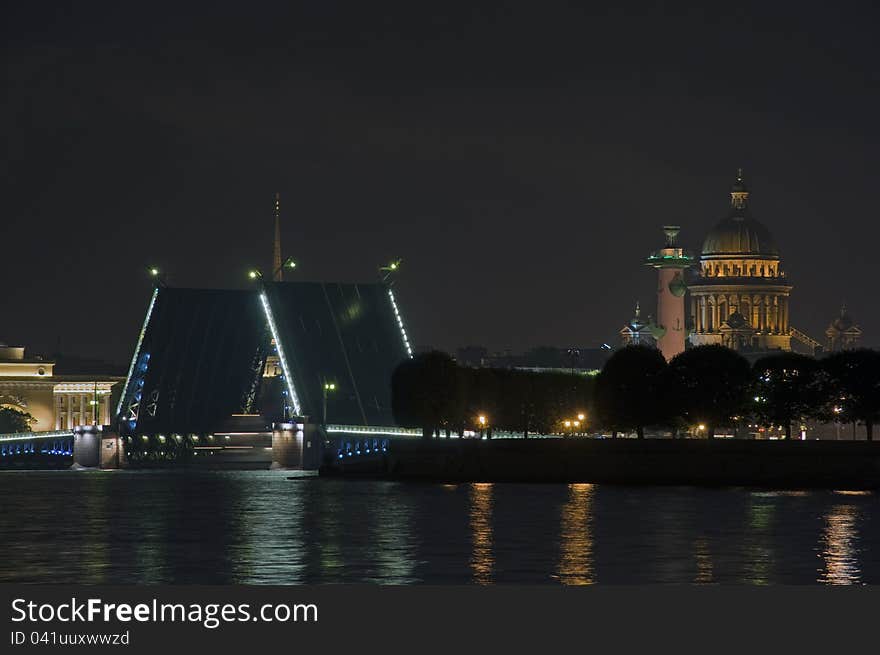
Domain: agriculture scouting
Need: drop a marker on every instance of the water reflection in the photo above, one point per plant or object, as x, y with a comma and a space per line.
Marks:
703, 557
576, 540
482, 559
262, 527
261, 551
840, 546
391, 527
759, 550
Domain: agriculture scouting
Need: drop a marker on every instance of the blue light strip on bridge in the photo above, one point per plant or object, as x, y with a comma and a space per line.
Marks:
32, 436
373, 430
137, 350
288, 378
400, 323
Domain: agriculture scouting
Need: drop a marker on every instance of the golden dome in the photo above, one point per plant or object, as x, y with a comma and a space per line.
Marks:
740, 235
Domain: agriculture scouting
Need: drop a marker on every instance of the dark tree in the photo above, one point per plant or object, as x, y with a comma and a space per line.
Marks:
786, 387
14, 420
854, 385
484, 397
425, 392
709, 384
517, 411
629, 392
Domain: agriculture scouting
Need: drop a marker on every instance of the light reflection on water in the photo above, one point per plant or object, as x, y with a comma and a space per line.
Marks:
576, 552
260, 527
482, 561
840, 553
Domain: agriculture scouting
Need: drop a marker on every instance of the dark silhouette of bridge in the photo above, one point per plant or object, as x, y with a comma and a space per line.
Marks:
283, 367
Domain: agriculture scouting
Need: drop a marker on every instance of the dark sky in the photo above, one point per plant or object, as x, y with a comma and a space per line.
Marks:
521, 160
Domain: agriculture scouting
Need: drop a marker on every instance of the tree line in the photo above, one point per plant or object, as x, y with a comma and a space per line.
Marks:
710, 386
432, 392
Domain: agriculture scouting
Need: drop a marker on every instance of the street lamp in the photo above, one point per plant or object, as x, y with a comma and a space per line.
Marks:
390, 269
482, 421
257, 274
328, 388
94, 405
288, 263
156, 274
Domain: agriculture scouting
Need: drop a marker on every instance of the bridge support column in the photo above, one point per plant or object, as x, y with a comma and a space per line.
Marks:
87, 446
112, 451
95, 446
296, 445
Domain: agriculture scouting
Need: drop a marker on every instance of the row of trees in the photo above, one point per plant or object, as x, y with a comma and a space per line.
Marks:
715, 386
708, 385
433, 392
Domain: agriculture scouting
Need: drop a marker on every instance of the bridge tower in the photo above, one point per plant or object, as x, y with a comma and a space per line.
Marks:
671, 261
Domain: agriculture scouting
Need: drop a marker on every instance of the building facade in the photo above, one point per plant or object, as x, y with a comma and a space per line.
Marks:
739, 294
842, 333
638, 331
56, 402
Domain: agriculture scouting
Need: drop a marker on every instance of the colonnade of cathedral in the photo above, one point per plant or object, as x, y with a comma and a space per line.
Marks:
766, 313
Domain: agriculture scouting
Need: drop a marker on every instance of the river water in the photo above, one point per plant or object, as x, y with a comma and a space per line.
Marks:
261, 527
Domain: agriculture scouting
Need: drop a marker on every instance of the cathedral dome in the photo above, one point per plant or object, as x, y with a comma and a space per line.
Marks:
740, 235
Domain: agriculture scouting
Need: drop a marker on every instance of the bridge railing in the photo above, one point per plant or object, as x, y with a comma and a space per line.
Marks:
35, 436
382, 431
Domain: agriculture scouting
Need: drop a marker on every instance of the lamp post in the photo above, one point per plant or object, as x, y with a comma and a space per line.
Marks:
482, 421
328, 387
257, 274
95, 406
156, 274
387, 272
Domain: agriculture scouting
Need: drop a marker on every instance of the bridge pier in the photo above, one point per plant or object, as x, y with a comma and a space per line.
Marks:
95, 446
296, 445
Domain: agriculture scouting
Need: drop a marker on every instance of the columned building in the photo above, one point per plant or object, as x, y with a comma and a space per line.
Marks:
739, 296
56, 402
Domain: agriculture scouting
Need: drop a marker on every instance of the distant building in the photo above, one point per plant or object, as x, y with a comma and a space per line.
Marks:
737, 295
843, 333
578, 360
79, 393
740, 294
638, 331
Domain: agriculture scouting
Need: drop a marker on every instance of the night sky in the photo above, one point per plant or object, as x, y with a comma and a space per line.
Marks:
520, 160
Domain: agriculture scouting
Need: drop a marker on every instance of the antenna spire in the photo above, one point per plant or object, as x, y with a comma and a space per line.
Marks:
277, 266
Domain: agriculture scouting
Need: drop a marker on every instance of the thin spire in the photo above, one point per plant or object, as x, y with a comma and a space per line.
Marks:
739, 194
277, 267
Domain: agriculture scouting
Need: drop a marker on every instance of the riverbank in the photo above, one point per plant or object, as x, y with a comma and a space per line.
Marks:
774, 464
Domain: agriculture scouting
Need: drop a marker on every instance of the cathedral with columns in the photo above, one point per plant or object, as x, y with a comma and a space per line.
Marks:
737, 293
